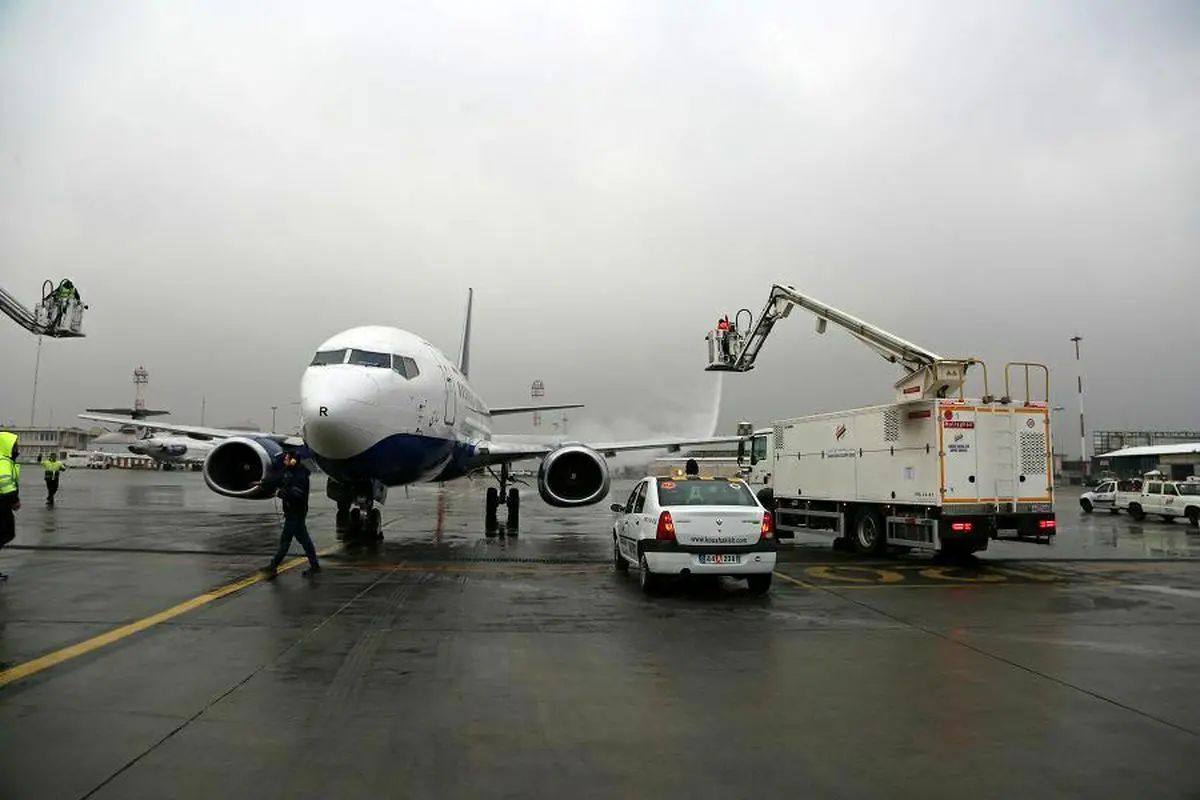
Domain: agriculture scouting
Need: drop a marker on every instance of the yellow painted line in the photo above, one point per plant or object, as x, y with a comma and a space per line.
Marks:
796, 581
944, 574
14, 674
875, 575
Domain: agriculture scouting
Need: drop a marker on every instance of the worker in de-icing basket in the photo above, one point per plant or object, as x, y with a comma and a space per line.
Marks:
723, 329
10, 481
293, 491
53, 469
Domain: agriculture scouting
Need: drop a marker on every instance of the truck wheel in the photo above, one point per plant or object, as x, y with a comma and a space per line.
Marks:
767, 498
1193, 516
1135, 511
619, 560
869, 536
1086, 505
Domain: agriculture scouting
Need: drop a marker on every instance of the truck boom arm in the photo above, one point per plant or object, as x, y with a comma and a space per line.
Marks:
926, 373
894, 349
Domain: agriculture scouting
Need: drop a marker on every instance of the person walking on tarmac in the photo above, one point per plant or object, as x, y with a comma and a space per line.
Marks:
293, 491
53, 468
10, 484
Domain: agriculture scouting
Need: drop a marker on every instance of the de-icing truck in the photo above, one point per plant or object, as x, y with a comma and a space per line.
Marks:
933, 469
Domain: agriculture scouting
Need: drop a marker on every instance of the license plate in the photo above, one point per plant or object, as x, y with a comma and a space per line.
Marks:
720, 558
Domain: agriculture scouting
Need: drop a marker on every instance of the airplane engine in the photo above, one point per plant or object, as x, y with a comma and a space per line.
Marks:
235, 465
573, 476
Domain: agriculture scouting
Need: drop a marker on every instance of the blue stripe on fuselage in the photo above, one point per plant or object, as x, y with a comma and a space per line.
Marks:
402, 458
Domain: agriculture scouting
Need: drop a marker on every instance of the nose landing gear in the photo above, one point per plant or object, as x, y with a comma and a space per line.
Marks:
357, 516
510, 497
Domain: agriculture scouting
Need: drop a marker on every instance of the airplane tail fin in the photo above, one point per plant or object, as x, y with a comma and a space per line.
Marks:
464, 353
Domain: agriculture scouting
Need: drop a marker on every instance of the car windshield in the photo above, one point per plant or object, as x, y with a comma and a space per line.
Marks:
324, 357
1191, 487
703, 492
365, 358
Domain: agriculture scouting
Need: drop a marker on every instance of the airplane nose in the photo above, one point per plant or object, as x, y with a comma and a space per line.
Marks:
337, 404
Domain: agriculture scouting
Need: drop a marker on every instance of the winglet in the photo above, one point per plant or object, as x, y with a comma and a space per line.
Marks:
464, 353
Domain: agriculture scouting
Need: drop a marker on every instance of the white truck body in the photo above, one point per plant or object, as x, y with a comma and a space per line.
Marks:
919, 466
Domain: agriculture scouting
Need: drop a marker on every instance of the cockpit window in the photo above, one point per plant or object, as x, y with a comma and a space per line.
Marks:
365, 358
324, 357
405, 366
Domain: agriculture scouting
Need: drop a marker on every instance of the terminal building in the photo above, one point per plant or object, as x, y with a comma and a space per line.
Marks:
1127, 454
37, 443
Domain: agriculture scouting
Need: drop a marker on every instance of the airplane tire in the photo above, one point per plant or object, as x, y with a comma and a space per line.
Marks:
1135, 511
514, 510
491, 503
356, 520
375, 524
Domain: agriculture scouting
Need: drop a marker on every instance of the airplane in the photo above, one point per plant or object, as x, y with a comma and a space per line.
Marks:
172, 451
382, 407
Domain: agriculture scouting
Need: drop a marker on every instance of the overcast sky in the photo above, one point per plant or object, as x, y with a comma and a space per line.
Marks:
230, 184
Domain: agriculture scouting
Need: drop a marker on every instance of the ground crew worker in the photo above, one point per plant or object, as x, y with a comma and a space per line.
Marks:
691, 468
53, 468
723, 329
293, 491
10, 483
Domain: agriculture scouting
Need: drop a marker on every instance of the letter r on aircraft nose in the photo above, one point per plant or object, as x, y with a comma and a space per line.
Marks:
324, 411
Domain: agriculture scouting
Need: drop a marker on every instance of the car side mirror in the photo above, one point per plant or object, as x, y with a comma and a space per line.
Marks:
616, 507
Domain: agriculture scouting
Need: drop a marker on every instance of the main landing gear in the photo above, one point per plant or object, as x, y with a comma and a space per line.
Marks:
509, 497
357, 516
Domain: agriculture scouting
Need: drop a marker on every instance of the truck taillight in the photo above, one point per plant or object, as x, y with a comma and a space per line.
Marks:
1047, 524
768, 525
666, 528
964, 527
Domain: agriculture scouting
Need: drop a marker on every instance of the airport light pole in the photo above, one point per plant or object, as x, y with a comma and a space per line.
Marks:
273, 408
1083, 459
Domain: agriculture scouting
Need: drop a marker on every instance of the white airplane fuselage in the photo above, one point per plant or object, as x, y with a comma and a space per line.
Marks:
378, 423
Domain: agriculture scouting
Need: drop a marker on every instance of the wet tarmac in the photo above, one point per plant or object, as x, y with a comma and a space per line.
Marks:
140, 656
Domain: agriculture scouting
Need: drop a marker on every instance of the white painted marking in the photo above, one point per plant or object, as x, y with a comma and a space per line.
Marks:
1150, 587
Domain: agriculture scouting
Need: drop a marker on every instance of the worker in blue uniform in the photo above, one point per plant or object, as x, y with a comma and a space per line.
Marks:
293, 491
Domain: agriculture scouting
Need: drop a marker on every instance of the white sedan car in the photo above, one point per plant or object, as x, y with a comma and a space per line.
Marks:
694, 526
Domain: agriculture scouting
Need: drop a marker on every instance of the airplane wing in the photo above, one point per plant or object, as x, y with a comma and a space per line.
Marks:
502, 410
502, 450
195, 431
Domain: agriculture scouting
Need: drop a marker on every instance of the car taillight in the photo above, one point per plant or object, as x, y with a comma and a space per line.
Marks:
768, 526
965, 527
1046, 524
666, 528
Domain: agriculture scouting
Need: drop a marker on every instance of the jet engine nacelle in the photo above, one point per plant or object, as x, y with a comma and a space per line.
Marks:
573, 476
236, 465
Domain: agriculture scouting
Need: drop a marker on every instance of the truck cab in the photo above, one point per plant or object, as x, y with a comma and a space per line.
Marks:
756, 458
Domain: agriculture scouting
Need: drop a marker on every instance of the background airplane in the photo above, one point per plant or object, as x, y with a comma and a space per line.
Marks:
382, 407
173, 450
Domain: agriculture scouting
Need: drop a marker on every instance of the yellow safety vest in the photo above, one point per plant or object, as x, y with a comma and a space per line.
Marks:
53, 467
10, 471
